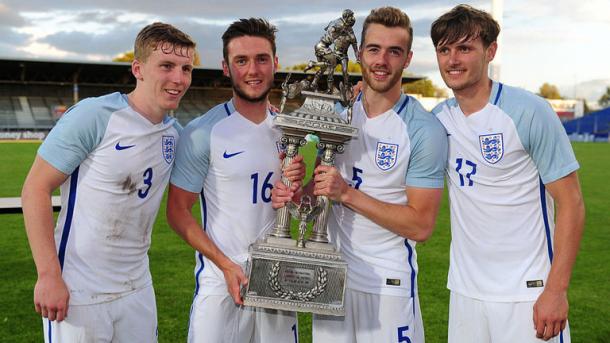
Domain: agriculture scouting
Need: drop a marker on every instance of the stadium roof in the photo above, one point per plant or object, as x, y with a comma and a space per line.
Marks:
52, 72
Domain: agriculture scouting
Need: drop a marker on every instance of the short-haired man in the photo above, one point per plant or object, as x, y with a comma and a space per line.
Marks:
229, 158
509, 159
387, 188
112, 157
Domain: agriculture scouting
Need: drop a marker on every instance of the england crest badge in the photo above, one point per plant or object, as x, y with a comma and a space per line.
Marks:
492, 147
386, 155
168, 148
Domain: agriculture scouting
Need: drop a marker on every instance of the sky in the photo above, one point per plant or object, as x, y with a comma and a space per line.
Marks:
562, 42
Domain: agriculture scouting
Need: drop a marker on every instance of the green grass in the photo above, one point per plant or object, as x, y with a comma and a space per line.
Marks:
172, 263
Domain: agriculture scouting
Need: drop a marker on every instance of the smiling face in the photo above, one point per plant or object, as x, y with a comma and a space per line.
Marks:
251, 65
464, 64
163, 78
383, 57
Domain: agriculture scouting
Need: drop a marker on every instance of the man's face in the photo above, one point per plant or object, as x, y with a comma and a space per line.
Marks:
251, 66
164, 77
383, 57
464, 64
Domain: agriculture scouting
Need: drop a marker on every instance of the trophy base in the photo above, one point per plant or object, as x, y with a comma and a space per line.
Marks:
286, 277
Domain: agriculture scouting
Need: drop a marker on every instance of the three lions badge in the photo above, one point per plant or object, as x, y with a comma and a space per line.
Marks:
386, 155
492, 147
168, 148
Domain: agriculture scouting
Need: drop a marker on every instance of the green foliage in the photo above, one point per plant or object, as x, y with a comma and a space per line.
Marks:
549, 91
604, 100
299, 66
352, 67
424, 87
124, 57
172, 262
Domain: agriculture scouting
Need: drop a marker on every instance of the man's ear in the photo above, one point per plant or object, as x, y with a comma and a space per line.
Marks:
136, 70
225, 69
408, 61
490, 52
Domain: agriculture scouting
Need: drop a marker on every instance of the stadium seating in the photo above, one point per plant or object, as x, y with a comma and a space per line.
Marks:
591, 127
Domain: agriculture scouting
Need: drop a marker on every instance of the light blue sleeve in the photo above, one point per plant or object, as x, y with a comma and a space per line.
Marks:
541, 134
193, 152
429, 148
78, 132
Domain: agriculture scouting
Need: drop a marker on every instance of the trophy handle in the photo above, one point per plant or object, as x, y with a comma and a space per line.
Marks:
320, 233
282, 216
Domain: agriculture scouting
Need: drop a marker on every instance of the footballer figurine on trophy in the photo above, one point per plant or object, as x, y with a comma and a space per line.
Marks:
308, 276
332, 49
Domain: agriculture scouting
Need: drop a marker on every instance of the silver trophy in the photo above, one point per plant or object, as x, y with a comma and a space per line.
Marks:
307, 276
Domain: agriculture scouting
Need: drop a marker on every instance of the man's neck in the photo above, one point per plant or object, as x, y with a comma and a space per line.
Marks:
376, 103
140, 104
255, 112
473, 99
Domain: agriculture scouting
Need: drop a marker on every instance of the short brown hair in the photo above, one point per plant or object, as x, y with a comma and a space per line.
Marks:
389, 17
464, 23
255, 27
151, 36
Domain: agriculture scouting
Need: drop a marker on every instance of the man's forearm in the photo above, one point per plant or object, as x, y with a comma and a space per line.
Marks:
568, 232
403, 220
38, 218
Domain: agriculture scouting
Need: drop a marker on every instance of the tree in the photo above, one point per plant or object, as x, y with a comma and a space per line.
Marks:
424, 87
549, 91
128, 57
604, 100
352, 67
124, 57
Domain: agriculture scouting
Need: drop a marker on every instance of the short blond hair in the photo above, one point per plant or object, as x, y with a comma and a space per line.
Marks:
161, 36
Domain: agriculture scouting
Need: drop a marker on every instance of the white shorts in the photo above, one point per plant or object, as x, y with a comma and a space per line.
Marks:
216, 318
472, 320
371, 318
132, 318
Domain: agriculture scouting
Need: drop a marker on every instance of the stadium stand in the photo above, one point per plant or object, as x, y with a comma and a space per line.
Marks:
34, 93
593, 127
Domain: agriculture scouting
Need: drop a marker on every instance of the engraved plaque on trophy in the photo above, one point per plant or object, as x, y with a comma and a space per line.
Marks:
307, 276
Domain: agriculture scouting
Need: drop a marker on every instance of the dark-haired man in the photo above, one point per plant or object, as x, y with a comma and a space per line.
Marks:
229, 158
112, 157
509, 159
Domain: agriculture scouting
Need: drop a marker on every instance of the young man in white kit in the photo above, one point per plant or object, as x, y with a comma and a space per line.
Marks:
509, 159
112, 157
229, 159
387, 188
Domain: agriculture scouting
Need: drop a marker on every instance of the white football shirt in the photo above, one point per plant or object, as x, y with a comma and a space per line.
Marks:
403, 147
501, 214
119, 165
233, 163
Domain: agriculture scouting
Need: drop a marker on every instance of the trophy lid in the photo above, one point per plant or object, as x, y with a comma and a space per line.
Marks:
317, 116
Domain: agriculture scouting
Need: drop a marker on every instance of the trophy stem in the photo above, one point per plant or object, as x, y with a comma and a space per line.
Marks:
319, 232
282, 216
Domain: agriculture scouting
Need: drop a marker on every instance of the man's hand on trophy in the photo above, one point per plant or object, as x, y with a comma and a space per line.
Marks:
273, 109
282, 194
295, 171
330, 183
235, 279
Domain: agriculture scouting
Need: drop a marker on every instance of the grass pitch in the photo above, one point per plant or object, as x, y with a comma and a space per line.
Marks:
172, 263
